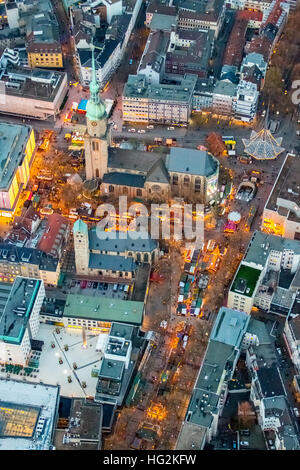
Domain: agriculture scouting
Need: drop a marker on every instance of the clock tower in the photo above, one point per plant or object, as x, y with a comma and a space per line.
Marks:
97, 133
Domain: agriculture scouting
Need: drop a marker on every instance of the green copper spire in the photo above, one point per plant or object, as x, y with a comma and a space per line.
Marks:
95, 108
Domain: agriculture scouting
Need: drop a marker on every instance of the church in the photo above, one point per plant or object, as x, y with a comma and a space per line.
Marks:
183, 172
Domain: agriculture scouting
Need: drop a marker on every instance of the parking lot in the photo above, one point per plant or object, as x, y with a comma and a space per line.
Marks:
98, 289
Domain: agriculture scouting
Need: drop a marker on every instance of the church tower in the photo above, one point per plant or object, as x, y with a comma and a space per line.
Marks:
97, 133
81, 246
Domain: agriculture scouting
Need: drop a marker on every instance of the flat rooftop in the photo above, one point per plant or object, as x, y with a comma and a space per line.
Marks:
245, 280
34, 84
230, 326
136, 87
13, 140
262, 243
52, 372
286, 187
27, 415
17, 310
102, 309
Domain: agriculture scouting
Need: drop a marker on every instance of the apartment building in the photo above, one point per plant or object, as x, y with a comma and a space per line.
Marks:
17, 143
158, 103
20, 307
267, 275
281, 215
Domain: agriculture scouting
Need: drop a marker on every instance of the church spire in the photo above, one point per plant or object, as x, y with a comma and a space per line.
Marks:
95, 109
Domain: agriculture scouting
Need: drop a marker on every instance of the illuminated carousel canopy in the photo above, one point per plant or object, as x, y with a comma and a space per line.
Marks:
262, 145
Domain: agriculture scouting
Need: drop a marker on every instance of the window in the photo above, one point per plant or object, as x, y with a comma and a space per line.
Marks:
125, 190
175, 180
186, 181
197, 185
139, 192
111, 188
95, 146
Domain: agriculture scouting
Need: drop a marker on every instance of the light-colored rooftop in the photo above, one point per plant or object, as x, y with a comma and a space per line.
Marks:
102, 309
17, 394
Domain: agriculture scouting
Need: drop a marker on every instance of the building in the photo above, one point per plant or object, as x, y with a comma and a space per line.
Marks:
96, 314
210, 392
267, 275
189, 52
281, 215
117, 257
20, 307
121, 351
55, 236
200, 15
28, 262
28, 415
109, 28
224, 96
203, 95
194, 172
154, 8
268, 393
291, 334
158, 103
246, 102
152, 63
18, 149
35, 93
141, 174
43, 42
84, 427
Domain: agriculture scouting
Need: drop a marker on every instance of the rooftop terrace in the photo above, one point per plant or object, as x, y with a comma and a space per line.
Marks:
245, 280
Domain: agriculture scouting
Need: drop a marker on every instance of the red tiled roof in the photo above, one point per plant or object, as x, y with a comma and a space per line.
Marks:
261, 45
54, 235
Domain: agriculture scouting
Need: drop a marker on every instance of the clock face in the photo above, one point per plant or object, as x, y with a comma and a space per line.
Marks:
94, 123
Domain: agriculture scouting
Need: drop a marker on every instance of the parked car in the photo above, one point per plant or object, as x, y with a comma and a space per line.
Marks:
131, 130
100, 285
150, 127
141, 131
105, 287
296, 412
171, 128
115, 287
95, 284
245, 443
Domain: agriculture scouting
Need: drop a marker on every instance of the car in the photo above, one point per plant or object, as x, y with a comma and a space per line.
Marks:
141, 131
150, 127
89, 285
105, 287
95, 285
276, 324
83, 284
296, 412
279, 351
121, 288
115, 287
171, 128
245, 443
131, 130
131, 62
245, 432
100, 285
